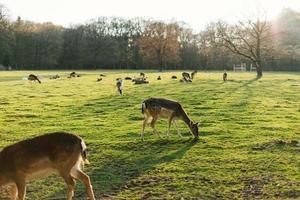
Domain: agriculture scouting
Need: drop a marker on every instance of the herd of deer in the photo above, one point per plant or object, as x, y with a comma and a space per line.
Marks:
65, 153
186, 78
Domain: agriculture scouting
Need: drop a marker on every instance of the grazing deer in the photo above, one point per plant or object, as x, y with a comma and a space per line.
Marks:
153, 108
33, 77
186, 75
119, 86
41, 156
225, 76
193, 74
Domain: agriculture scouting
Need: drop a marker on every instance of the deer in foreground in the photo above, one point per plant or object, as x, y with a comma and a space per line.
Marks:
41, 156
154, 108
33, 77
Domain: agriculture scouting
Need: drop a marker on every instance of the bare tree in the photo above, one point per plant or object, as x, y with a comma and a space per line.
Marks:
247, 39
159, 42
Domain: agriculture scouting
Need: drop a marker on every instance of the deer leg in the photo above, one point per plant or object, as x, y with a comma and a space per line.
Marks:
169, 125
143, 128
86, 181
21, 186
153, 126
13, 192
71, 185
177, 128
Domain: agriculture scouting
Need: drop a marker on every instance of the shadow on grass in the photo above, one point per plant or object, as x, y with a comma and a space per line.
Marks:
117, 164
249, 82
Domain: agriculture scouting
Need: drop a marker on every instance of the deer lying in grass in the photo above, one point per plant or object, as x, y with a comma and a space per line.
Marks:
153, 108
41, 156
33, 77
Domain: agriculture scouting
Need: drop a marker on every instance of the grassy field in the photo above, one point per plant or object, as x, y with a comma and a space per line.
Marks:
248, 147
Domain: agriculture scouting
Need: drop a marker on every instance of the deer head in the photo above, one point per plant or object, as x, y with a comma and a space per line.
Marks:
194, 128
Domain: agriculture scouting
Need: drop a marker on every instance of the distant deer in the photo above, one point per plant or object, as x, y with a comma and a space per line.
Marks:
142, 74
186, 75
33, 77
74, 75
159, 78
174, 77
193, 74
119, 86
41, 156
154, 108
225, 76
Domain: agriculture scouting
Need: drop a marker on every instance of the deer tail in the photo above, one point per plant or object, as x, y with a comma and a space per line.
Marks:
83, 153
143, 107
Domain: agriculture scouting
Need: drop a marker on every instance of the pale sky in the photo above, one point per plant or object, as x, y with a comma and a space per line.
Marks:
197, 13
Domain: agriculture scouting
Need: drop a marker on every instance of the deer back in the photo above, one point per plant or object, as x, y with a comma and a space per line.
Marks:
40, 156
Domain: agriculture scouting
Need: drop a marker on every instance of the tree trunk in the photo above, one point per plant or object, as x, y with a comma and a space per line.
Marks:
258, 59
259, 73
160, 62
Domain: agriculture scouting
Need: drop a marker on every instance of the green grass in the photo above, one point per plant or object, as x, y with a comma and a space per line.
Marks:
249, 136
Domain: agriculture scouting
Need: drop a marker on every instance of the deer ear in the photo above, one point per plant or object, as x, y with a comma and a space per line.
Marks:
197, 123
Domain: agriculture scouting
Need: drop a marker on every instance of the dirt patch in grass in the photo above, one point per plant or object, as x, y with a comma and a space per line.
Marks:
275, 144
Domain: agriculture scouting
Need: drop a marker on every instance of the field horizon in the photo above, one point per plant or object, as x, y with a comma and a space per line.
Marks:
248, 148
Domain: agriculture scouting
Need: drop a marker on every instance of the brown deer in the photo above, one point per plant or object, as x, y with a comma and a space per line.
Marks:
41, 156
33, 77
153, 108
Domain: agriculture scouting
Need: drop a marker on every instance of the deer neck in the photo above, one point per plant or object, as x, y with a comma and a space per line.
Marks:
186, 119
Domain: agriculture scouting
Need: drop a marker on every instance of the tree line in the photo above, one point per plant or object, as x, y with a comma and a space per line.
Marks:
118, 43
